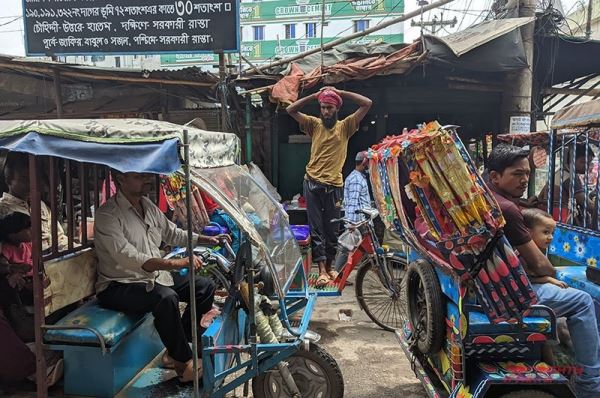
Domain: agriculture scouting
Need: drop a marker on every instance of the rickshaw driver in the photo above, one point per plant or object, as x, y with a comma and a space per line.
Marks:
509, 176
323, 180
132, 276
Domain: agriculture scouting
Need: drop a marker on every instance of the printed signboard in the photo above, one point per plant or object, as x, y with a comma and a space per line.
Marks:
289, 9
83, 27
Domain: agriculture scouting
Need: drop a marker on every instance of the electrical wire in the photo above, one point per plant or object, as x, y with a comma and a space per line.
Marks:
338, 34
11, 21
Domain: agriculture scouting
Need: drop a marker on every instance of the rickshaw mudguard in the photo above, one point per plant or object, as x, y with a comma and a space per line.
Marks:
226, 332
501, 377
485, 377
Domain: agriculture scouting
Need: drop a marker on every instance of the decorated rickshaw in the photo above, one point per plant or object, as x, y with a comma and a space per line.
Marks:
471, 325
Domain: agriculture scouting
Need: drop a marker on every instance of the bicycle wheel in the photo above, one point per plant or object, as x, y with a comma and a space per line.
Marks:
382, 304
221, 281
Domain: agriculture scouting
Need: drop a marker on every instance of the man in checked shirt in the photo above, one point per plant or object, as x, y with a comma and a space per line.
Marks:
356, 190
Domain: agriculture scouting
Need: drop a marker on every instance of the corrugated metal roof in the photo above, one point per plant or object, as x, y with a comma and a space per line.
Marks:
191, 76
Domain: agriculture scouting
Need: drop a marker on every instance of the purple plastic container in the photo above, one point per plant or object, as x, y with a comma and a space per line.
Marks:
301, 232
214, 230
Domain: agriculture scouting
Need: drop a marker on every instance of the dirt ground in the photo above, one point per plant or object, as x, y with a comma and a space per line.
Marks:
371, 360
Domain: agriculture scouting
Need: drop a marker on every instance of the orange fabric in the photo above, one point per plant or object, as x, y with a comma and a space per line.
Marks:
286, 90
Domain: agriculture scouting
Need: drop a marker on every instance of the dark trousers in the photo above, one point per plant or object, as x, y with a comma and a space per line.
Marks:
322, 205
174, 330
16, 360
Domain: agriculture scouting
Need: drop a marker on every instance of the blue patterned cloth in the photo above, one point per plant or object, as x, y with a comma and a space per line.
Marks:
356, 196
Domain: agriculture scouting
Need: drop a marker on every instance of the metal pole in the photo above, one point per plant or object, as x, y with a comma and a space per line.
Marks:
588, 25
190, 250
248, 128
38, 286
322, 27
344, 39
222, 91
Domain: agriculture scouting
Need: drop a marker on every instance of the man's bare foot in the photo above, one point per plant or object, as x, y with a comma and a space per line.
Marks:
185, 371
167, 361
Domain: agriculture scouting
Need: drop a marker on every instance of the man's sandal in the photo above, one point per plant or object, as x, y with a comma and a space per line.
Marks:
333, 274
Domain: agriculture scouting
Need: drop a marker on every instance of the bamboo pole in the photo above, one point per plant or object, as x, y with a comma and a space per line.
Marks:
342, 40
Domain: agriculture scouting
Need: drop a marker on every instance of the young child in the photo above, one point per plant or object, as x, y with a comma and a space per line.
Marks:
15, 235
541, 227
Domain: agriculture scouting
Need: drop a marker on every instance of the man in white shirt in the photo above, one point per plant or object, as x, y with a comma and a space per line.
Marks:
356, 190
132, 276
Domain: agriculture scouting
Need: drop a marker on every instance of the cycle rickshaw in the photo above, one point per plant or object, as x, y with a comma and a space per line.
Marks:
108, 353
471, 327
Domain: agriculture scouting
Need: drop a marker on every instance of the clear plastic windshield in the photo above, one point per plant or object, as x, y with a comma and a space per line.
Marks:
235, 186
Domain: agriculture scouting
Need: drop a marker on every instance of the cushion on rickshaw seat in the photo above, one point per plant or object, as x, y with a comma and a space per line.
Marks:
71, 278
479, 324
112, 325
575, 276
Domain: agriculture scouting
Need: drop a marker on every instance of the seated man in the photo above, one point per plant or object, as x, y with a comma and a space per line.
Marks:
16, 176
132, 276
563, 179
509, 175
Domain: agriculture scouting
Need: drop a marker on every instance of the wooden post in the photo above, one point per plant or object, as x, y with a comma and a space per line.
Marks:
58, 94
38, 277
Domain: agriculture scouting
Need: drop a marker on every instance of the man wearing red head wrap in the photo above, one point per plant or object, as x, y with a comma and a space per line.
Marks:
323, 180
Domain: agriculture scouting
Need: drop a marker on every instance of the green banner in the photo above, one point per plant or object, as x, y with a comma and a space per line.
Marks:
286, 9
260, 50
270, 49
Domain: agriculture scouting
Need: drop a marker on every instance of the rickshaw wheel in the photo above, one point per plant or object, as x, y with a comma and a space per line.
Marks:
528, 394
315, 372
382, 306
425, 306
221, 286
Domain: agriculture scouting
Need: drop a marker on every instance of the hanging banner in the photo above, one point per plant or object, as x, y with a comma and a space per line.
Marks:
83, 27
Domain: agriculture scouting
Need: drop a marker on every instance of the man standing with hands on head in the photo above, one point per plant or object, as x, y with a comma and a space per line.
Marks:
323, 181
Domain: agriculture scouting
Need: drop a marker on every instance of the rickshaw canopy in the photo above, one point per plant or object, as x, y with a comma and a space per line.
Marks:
586, 114
127, 145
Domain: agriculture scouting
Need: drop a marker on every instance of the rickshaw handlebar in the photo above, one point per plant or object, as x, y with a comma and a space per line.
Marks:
370, 214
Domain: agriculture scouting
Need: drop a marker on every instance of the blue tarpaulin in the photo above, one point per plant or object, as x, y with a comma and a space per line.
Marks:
161, 157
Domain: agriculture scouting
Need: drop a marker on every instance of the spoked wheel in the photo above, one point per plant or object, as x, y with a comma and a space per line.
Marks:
222, 284
316, 373
425, 306
382, 303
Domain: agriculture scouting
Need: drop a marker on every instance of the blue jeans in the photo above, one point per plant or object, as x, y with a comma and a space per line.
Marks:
579, 309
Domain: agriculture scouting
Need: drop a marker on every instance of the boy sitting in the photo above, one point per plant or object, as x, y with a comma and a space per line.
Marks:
541, 227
